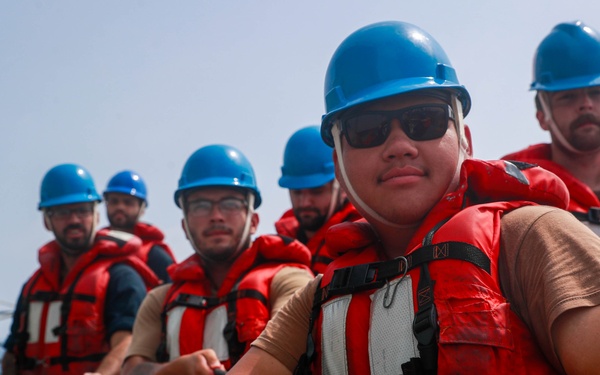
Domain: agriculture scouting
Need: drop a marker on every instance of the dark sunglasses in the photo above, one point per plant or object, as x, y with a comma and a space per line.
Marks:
423, 122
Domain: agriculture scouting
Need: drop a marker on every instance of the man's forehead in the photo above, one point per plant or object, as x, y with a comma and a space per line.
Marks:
214, 193
406, 100
123, 196
70, 206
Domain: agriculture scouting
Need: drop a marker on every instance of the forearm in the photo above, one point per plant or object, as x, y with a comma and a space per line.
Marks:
111, 364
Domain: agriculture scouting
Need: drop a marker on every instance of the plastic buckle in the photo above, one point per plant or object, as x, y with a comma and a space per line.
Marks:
425, 325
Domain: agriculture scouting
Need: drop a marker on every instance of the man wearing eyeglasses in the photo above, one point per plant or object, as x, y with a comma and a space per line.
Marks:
464, 266
317, 200
76, 313
126, 199
567, 80
223, 295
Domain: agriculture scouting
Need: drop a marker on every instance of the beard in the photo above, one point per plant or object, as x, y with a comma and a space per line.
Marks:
220, 253
310, 223
588, 140
124, 222
74, 247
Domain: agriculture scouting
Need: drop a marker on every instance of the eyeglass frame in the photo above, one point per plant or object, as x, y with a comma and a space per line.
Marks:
218, 204
64, 213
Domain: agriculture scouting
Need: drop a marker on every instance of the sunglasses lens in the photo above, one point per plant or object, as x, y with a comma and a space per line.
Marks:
366, 130
425, 123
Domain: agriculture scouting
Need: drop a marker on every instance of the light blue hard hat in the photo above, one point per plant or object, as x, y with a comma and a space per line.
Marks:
127, 182
218, 165
382, 60
307, 160
568, 58
67, 184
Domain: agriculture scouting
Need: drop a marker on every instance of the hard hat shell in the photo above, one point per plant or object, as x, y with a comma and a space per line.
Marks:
127, 182
218, 165
67, 184
382, 60
307, 160
568, 58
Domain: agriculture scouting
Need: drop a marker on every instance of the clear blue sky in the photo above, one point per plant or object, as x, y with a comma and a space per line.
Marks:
141, 85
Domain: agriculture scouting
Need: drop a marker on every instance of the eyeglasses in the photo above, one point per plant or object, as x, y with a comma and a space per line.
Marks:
423, 122
227, 206
65, 213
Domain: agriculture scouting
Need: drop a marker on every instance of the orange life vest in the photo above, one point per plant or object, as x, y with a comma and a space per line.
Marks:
418, 314
288, 225
228, 321
61, 326
584, 203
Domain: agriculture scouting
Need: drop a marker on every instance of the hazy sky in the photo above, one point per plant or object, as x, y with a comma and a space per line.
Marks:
141, 85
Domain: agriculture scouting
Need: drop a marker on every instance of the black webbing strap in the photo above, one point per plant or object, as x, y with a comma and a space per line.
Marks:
375, 275
425, 329
303, 367
593, 215
204, 302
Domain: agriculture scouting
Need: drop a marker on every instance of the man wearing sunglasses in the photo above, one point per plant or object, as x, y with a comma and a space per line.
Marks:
567, 80
317, 201
463, 265
224, 294
76, 313
126, 199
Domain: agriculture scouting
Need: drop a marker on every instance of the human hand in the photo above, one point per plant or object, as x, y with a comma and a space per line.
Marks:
201, 362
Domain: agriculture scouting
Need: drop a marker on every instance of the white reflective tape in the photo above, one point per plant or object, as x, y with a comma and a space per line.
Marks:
173, 327
391, 338
213, 332
333, 337
34, 320
52, 321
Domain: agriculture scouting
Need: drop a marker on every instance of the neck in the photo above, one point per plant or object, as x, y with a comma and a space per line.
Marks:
216, 273
395, 241
583, 167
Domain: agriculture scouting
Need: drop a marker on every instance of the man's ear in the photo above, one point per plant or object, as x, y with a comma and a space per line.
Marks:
469, 146
184, 231
47, 223
254, 223
542, 120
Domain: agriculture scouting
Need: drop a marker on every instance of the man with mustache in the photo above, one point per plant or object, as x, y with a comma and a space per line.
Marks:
126, 199
316, 197
76, 313
567, 81
224, 294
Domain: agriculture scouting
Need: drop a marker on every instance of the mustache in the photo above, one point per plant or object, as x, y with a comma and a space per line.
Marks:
217, 228
73, 226
307, 209
585, 119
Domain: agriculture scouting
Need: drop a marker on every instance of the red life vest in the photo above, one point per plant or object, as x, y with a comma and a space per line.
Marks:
447, 317
62, 328
288, 225
231, 319
151, 236
583, 199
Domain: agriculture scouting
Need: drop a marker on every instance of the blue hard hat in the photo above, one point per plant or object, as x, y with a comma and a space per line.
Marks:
382, 60
67, 184
307, 160
218, 166
127, 182
568, 58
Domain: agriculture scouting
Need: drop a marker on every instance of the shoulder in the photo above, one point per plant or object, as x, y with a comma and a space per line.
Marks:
545, 221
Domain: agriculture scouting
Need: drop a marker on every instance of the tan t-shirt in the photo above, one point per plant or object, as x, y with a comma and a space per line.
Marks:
549, 264
147, 329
